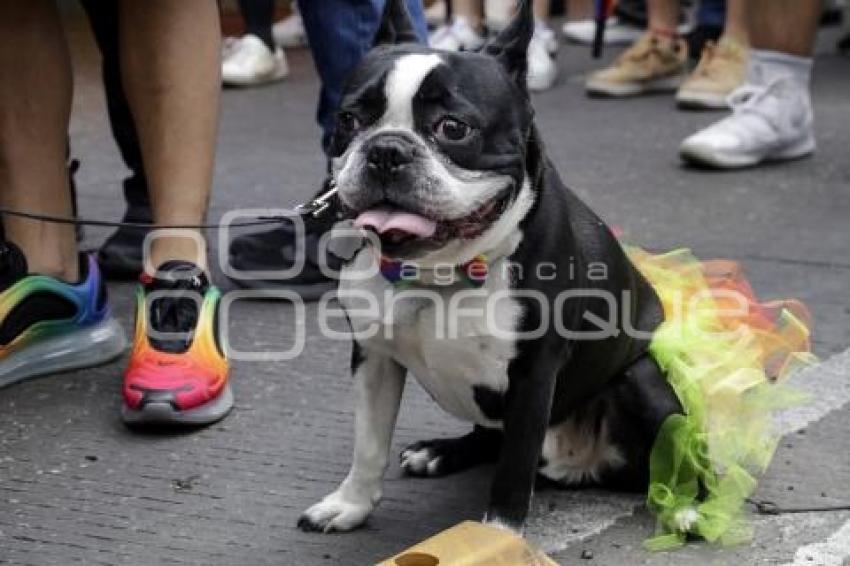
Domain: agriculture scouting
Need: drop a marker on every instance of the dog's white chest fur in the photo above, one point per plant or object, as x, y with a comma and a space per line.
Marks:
451, 338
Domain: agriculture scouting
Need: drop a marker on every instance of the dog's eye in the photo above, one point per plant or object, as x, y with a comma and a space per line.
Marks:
452, 130
348, 122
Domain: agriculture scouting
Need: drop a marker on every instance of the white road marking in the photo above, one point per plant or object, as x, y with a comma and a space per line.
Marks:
834, 551
828, 386
576, 516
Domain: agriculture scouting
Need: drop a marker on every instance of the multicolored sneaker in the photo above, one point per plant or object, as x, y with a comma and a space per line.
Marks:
178, 373
49, 326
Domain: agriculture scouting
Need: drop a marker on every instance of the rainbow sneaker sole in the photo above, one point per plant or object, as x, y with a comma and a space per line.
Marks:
183, 388
49, 326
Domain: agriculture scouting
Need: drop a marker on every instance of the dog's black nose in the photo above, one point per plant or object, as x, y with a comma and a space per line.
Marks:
388, 155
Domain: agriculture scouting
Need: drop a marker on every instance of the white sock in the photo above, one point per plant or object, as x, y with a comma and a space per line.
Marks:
461, 21
766, 66
541, 25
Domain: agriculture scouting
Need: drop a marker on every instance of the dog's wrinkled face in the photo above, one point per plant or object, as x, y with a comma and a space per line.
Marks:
430, 145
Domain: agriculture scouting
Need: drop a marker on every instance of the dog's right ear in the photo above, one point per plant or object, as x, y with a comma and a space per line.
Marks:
396, 25
511, 46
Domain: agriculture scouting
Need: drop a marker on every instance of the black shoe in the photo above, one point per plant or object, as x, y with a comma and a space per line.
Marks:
120, 256
844, 45
832, 15
275, 250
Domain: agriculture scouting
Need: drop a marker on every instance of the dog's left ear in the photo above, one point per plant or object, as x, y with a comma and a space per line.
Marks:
396, 25
511, 46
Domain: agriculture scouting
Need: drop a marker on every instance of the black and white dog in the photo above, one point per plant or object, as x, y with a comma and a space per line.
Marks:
437, 155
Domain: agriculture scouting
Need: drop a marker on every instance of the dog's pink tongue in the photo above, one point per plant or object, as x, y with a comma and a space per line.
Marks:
383, 220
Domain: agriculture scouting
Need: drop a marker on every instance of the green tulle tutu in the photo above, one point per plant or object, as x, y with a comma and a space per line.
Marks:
726, 355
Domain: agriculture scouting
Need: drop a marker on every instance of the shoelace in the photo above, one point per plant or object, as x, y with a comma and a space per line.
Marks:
645, 52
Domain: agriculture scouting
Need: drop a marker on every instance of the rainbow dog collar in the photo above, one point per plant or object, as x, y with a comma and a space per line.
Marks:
402, 273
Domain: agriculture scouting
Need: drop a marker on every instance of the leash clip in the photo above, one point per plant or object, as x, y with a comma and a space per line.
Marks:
319, 204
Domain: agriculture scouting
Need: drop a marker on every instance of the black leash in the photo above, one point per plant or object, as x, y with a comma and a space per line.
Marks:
313, 208
765, 507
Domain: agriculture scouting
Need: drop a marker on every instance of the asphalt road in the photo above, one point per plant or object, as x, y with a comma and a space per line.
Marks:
77, 487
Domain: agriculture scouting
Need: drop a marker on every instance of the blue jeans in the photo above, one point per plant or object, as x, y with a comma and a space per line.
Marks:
711, 13
340, 33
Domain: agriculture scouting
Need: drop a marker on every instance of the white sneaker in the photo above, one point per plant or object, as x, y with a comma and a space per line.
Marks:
542, 69
251, 62
457, 36
773, 122
616, 32
227, 45
289, 32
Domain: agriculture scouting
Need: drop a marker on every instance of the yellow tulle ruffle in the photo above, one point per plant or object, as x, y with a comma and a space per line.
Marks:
726, 355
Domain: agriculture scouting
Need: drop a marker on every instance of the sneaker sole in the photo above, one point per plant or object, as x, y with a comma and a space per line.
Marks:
618, 90
277, 75
706, 157
693, 100
164, 414
83, 348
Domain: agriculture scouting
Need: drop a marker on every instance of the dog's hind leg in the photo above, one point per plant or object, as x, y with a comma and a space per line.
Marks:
640, 402
440, 457
607, 442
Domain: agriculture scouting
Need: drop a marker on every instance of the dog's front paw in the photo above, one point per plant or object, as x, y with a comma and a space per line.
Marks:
335, 513
425, 459
505, 525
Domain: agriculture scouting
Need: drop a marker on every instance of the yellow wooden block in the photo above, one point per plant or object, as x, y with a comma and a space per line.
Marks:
471, 544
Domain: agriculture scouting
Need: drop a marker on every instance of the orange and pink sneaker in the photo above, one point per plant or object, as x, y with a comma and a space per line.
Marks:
178, 373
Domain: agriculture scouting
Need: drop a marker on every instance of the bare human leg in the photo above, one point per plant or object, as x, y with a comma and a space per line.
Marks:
170, 56
787, 26
663, 16
472, 10
736, 26
579, 10
35, 107
541, 10
656, 62
773, 119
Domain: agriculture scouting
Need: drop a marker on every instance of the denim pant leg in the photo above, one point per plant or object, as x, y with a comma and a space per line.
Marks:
340, 33
711, 13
